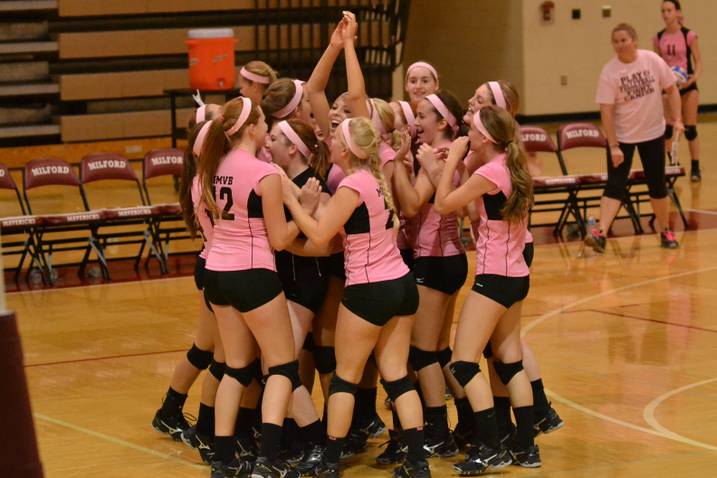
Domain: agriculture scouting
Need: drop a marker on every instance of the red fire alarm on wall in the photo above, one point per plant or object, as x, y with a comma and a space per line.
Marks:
547, 8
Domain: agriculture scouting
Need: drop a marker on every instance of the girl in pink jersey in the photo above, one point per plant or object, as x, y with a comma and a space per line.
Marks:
504, 189
295, 148
679, 47
504, 95
203, 354
421, 80
440, 266
243, 197
376, 312
254, 78
630, 97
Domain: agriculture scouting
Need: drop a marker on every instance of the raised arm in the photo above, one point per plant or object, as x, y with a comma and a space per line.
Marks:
337, 212
357, 96
316, 86
449, 199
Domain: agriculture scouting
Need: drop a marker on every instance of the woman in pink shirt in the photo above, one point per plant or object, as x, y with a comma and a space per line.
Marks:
421, 80
679, 47
492, 310
376, 312
630, 97
243, 197
440, 265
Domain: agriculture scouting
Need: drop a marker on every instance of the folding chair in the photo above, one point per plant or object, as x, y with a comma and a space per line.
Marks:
672, 173
163, 163
120, 223
18, 232
61, 231
587, 135
562, 190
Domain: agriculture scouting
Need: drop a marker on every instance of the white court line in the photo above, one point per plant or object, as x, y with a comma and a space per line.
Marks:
702, 211
117, 441
664, 434
649, 414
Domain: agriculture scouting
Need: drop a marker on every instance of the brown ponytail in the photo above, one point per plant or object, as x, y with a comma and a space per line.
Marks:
319, 160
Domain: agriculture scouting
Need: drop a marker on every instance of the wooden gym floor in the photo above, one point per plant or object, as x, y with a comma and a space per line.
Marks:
626, 342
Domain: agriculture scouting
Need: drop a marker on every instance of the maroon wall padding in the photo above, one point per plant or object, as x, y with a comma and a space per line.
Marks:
18, 446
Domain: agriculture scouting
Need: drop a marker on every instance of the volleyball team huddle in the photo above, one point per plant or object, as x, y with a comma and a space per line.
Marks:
332, 244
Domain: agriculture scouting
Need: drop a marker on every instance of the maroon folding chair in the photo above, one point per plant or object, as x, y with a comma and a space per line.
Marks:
123, 225
164, 163
587, 135
18, 232
61, 231
561, 189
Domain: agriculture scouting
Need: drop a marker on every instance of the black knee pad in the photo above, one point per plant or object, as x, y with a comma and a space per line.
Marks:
464, 371
421, 358
444, 356
325, 359
506, 371
289, 370
339, 385
488, 351
199, 358
691, 132
242, 375
668, 131
398, 387
217, 369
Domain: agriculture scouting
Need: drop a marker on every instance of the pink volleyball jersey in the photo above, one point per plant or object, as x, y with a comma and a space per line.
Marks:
385, 153
675, 48
370, 253
499, 243
334, 178
200, 212
437, 235
240, 239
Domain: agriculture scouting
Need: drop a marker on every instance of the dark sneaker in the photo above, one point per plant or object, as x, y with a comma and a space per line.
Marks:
263, 468
170, 424
596, 240
479, 459
310, 461
528, 458
235, 469
327, 470
696, 175
375, 427
356, 443
395, 452
548, 423
412, 470
444, 447
202, 443
246, 448
668, 240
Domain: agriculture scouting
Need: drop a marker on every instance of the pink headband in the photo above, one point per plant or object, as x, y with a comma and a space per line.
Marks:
201, 114
245, 112
294, 138
410, 118
291, 106
201, 137
423, 64
498, 94
256, 78
349, 142
375, 118
441, 107
479, 126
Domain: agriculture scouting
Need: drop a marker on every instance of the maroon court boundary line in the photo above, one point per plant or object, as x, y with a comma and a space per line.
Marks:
109, 357
645, 319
